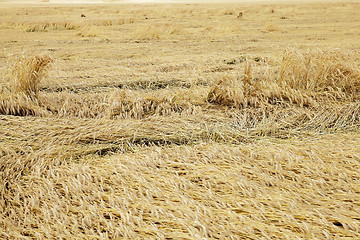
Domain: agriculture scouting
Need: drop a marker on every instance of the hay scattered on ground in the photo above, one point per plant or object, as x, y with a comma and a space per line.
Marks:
141, 132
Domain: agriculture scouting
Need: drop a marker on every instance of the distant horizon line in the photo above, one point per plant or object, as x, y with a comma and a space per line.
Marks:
167, 1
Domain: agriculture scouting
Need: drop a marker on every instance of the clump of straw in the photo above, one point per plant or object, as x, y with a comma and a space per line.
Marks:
26, 74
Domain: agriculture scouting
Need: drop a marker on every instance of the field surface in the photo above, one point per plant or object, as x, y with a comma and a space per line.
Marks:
185, 121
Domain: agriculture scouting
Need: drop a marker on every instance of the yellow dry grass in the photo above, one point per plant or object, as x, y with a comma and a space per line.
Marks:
25, 74
180, 121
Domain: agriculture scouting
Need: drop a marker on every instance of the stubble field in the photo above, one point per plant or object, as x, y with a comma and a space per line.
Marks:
197, 121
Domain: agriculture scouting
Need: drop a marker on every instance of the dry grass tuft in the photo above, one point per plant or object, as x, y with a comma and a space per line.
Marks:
333, 74
230, 91
157, 31
88, 32
44, 27
273, 28
25, 73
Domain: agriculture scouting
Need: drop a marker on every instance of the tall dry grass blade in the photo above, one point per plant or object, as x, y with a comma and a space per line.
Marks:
26, 73
331, 73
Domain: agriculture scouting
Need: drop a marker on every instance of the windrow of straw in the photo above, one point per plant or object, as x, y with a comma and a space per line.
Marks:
109, 21
284, 122
305, 79
46, 26
20, 105
95, 106
117, 104
234, 92
157, 31
244, 92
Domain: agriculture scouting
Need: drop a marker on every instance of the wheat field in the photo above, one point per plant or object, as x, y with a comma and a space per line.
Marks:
180, 121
